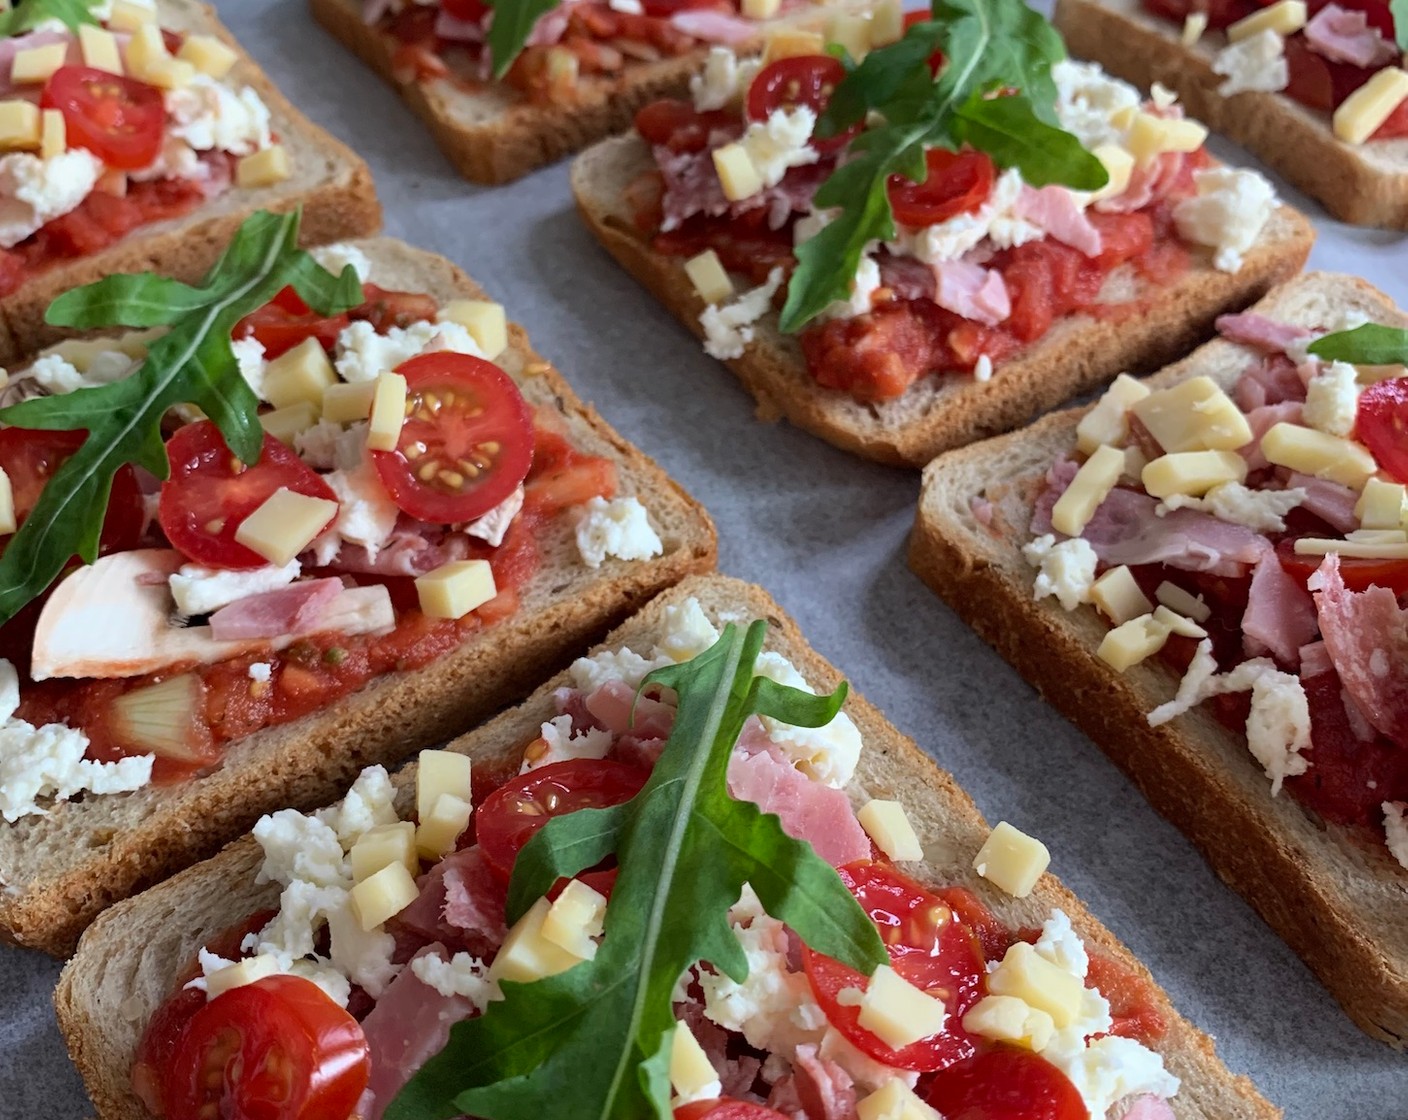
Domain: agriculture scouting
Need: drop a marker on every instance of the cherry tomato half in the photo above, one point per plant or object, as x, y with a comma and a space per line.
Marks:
471, 11
678, 125
1006, 1084
510, 815
1382, 424
277, 1049
791, 83
1358, 573
928, 946
210, 493
957, 183
120, 120
727, 1108
467, 441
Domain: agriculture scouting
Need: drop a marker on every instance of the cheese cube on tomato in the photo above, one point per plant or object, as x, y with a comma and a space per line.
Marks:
792, 42
886, 23
346, 403
1010, 1019
1194, 415
1285, 17
709, 277
99, 48
1319, 454
382, 846
897, 1012
852, 31
1363, 111
382, 895
442, 827
456, 588
53, 134
19, 126
483, 319
1012, 860
1185, 603
1108, 420
285, 525
526, 955
575, 918
208, 55
1383, 505
1192, 473
303, 373
37, 64
1118, 597
1150, 136
263, 168
439, 773
1030, 977
894, 1100
130, 15
388, 412
885, 822
146, 50
1177, 624
760, 9
240, 973
8, 521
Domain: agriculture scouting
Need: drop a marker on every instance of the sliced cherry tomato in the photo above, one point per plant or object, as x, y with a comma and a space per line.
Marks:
1006, 1084
957, 183
1135, 1013
562, 476
210, 493
1358, 573
120, 120
678, 125
277, 1049
385, 309
801, 81
510, 815
467, 441
1382, 424
727, 1108
471, 11
928, 946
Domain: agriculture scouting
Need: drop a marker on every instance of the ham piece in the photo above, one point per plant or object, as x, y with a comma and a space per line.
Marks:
972, 291
610, 709
1262, 420
460, 904
1345, 35
906, 277
714, 26
1152, 180
295, 609
1054, 210
1280, 615
1260, 333
1146, 1106
409, 552
808, 810
692, 187
824, 1088
1332, 502
1271, 380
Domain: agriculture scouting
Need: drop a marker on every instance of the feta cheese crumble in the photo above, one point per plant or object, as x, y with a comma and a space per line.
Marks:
363, 354
1228, 213
462, 975
1256, 64
1262, 510
1332, 399
728, 327
619, 527
723, 80
1066, 570
200, 590
1396, 830
35, 191
337, 256
210, 116
780, 143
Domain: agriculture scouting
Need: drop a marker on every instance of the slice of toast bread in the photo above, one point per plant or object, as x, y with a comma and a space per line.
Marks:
939, 413
328, 180
1340, 903
1366, 184
127, 961
59, 870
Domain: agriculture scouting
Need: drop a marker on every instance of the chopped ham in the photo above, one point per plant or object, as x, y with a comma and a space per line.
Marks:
714, 26
736, 1074
1058, 477
1259, 332
972, 291
295, 609
824, 1088
1271, 380
692, 187
1345, 35
1332, 502
610, 708
460, 904
1280, 615
409, 552
982, 510
1314, 660
1125, 529
1146, 1106
1262, 420
809, 811
906, 277
1151, 181
1054, 209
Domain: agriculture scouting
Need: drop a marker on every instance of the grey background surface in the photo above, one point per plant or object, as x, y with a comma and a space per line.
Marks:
825, 534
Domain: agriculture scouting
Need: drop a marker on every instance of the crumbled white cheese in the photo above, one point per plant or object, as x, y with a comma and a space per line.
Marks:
1061, 945
1087, 99
781, 142
1278, 727
1066, 570
56, 374
995, 220
329, 446
1262, 510
261, 672
370, 802
1340, 319
336, 257
363, 354
249, 356
728, 327
303, 911
1201, 681
200, 590
1112, 1069
863, 286
300, 849
1257, 62
688, 632
826, 754
982, 368
723, 80
492, 526
564, 745
1228, 213
366, 514
34, 191
462, 975
590, 673
363, 956
1396, 830
619, 527
175, 160
210, 116
1332, 399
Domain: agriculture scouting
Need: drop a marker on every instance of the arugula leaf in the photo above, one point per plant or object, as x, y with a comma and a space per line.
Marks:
1399, 8
1367, 345
593, 1043
509, 28
29, 14
193, 363
989, 45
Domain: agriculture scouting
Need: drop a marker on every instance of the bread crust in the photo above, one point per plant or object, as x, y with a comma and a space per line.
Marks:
58, 871
126, 962
330, 182
1366, 184
1339, 903
937, 414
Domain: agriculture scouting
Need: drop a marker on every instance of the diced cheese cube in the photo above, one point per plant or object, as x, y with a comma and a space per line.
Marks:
285, 525
53, 134
575, 918
1091, 486
263, 168
8, 522
1132, 642
37, 64
388, 412
1185, 603
1010, 1019
1363, 111
894, 1100
1117, 596
291, 420
1011, 860
526, 955
1194, 415
886, 23
1119, 166
897, 1012
792, 42
1150, 136
690, 1069
1383, 505
885, 822
1107, 421
1319, 454
208, 55
99, 48
347, 402
19, 126
382, 846
1359, 550
760, 9
382, 895
439, 773
443, 826
145, 49
852, 31
302, 374
1192, 472
240, 973
483, 319
1285, 18
709, 277
1378, 536
737, 175
174, 73
128, 16
454, 589
1193, 27
1032, 978
1177, 624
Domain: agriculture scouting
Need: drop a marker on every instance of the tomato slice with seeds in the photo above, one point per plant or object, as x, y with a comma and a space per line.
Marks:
1359, 573
957, 183
277, 1049
1006, 1084
1382, 424
801, 81
727, 1108
120, 120
210, 493
467, 441
928, 946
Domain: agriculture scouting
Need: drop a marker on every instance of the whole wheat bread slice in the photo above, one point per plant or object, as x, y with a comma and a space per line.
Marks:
1339, 902
1366, 184
329, 181
939, 413
58, 871
126, 963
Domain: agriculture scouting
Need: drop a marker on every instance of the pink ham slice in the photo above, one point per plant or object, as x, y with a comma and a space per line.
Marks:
1280, 614
692, 187
1330, 501
824, 1088
1054, 210
1259, 332
714, 27
408, 553
809, 811
906, 277
295, 609
610, 709
1126, 530
1314, 660
1366, 634
1342, 35
1144, 1107
1271, 380
1153, 180
1058, 476
1262, 420
460, 904
972, 291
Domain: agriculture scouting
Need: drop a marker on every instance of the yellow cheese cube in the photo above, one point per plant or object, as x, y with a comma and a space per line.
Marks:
53, 134
1186, 604
575, 918
885, 822
850, 30
263, 168
1108, 420
1117, 596
1091, 486
1285, 18
388, 412
1192, 472
19, 126
301, 374
439, 773
1151, 136
736, 172
709, 277
1011, 860
8, 522
526, 955
1194, 415
760, 9
345, 403
792, 42
1359, 550
129, 16
1177, 624
208, 55
454, 589
285, 525
382, 895
483, 319
1319, 454
1193, 27
1363, 111
1383, 505
438, 832
886, 23
173, 73
894, 1100
145, 49
37, 64
563, 68
99, 49
1030, 977
1009, 1019
382, 846
1377, 536
239, 974
690, 1069
1133, 641
291, 420
897, 1012
1118, 165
